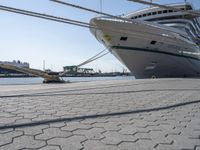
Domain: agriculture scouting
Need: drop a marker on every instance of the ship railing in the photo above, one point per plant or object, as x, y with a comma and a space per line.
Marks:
139, 22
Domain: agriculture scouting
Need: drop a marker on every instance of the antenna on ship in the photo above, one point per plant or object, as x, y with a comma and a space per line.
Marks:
101, 4
185, 7
151, 3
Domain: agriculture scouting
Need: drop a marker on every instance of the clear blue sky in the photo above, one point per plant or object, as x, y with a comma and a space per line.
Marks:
34, 40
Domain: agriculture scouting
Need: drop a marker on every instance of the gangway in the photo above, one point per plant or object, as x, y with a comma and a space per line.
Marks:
49, 77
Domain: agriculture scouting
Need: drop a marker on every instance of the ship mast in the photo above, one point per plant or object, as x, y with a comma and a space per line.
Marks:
151, 2
101, 5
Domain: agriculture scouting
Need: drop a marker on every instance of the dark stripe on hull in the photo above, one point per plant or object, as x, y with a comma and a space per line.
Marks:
181, 66
153, 51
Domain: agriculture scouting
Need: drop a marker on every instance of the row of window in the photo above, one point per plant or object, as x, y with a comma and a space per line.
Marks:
158, 12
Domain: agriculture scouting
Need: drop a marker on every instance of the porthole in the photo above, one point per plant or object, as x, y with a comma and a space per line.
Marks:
123, 38
153, 42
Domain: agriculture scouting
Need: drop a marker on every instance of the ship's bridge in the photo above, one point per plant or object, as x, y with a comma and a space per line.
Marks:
183, 21
155, 13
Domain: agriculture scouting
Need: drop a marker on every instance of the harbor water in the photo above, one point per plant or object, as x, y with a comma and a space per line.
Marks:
36, 80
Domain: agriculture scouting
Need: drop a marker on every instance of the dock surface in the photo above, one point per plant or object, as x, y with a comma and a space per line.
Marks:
158, 114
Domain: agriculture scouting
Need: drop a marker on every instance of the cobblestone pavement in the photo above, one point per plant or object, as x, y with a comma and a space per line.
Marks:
102, 115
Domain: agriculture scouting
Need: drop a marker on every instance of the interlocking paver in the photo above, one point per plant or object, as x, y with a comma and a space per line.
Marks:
7, 138
91, 134
24, 142
109, 126
10, 120
50, 148
128, 129
115, 138
58, 125
183, 142
35, 130
71, 143
138, 145
72, 126
122, 115
53, 132
97, 145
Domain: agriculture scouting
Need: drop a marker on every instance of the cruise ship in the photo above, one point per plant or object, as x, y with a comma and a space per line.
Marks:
154, 42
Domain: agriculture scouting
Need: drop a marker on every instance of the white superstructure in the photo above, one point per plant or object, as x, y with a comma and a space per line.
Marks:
154, 42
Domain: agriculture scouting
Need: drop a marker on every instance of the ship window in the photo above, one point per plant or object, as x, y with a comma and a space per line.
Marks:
144, 15
139, 16
170, 11
149, 14
153, 42
123, 38
134, 17
182, 8
159, 12
154, 13
165, 11
188, 7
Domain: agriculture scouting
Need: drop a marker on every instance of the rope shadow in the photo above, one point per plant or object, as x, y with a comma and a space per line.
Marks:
96, 93
37, 123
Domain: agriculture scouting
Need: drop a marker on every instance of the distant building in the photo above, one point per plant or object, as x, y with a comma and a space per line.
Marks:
14, 63
74, 70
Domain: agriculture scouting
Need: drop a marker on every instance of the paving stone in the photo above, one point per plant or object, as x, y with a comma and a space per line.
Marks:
34, 130
126, 122
29, 115
10, 120
97, 145
115, 138
91, 134
183, 142
6, 138
22, 121
70, 143
128, 129
6, 115
109, 126
138, 145
50, 148
72, 126
57, 125
24, 142
166, 147
52, 133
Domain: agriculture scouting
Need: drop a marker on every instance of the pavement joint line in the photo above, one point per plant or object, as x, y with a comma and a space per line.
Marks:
38, 93
95, 93
60, 91
36, 123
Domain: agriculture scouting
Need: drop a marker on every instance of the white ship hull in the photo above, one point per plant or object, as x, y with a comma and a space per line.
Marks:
149, 50
146, 64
